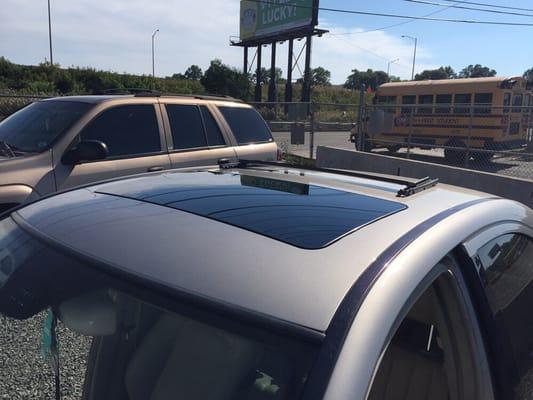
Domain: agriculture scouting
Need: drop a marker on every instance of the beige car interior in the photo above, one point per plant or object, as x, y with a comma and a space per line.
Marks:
428, 356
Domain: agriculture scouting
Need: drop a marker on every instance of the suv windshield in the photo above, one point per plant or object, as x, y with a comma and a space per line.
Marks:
117, 340
34, 128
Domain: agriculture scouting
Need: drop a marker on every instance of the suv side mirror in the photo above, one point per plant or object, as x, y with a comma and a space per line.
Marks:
87, 150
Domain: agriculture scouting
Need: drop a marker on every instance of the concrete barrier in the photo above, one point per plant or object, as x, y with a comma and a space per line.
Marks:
512, 188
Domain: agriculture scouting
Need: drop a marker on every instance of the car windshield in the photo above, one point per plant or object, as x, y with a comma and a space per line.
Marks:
105, 338
35, 127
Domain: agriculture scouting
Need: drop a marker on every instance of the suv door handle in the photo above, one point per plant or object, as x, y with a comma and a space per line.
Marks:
156, 168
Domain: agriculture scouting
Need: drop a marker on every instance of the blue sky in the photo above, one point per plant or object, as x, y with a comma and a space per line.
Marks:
115, 35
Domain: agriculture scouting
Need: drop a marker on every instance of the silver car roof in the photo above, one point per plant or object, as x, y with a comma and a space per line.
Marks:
226, 263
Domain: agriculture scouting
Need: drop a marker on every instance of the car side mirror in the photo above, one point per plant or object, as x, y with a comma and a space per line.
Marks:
87, 150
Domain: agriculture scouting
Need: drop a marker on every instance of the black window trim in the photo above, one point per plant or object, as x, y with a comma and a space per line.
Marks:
168, 128
160, 128
218, 146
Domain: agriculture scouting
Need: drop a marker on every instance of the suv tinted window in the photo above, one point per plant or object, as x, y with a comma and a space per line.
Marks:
506, 268
214, 136
126, 130
186, 126
247, 125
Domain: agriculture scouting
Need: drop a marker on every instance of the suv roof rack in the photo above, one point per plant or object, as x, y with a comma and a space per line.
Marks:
411, 186
142, 92
204, 97
134, 91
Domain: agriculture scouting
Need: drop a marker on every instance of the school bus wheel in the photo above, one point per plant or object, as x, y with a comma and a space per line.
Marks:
455, 155
393, 148
481, 156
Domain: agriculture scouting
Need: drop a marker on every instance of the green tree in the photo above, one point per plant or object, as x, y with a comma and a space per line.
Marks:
371, 79
528, 75
320, 77
224, 80
476, 71
265, 76
193, 73
436, 74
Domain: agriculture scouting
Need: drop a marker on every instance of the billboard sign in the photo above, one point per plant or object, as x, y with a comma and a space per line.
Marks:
265, 19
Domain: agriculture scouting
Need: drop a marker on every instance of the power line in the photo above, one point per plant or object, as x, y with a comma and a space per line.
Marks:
373, 53
431, 3
375, 14
390, 26
490, 5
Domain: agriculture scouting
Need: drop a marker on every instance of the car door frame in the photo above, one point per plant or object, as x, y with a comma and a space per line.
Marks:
227, 150
385, 297
494, 345
69, 140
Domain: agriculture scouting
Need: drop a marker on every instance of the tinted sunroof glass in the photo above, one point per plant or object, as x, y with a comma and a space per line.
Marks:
302, 215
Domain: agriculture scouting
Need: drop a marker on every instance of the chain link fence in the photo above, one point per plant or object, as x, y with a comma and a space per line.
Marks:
480, 137
11, 103
299, 128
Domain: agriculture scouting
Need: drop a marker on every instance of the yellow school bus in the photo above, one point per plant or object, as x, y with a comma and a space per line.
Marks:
477, 113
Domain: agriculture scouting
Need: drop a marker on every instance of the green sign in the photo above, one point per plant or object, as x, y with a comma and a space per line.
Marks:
263, 19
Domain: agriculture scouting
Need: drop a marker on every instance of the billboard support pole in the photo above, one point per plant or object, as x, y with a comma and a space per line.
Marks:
245, 63
288, 85
258, 76
306, 89
272, 83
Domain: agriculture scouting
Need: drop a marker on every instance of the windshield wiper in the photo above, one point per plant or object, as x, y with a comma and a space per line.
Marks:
11, 149
7, 149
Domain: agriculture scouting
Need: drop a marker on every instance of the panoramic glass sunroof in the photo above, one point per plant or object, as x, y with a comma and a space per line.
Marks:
302, 215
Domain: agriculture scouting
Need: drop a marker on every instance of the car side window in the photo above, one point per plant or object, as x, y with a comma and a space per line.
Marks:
506, 269
431, 355
126, 130
186, 126
247, 125
214, 136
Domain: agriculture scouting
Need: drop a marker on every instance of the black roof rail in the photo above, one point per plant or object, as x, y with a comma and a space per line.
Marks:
134, 91
411, 187
205, 97
142, 92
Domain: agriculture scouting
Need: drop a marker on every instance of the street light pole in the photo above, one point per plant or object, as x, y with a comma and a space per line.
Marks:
389, 64
414, 55
50, 34
153, 54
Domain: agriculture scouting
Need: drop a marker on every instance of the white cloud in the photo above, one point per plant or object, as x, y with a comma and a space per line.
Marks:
116, 35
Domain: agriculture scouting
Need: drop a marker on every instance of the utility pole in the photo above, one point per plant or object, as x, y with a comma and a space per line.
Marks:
153, 53
414, 55
389, 64
50, 34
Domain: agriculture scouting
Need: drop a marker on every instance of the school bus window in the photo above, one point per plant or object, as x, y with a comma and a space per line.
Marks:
425, 102
388, 103
527, 101
482, 99
461, 99
506, 102
517, 103
446, 100
408, 100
